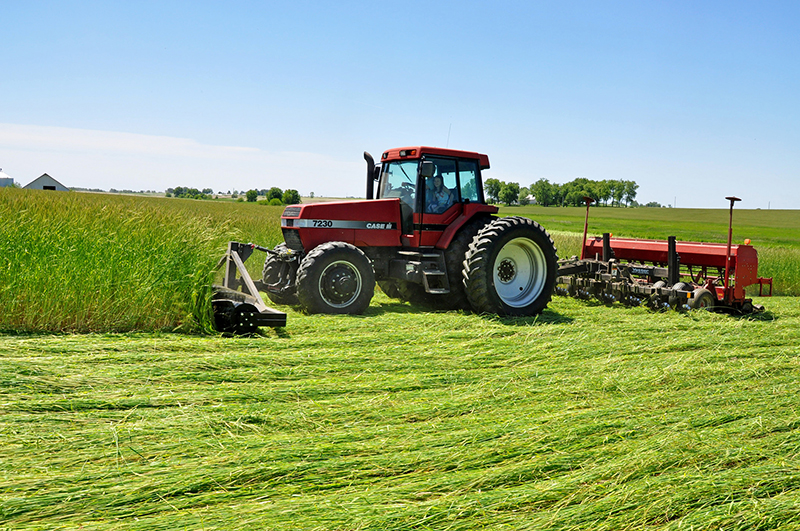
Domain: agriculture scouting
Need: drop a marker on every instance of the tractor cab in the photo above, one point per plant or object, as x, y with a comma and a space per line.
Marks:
435, 186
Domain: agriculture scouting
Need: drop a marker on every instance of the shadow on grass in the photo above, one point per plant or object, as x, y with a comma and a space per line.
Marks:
765, 316
396, 307
547, 317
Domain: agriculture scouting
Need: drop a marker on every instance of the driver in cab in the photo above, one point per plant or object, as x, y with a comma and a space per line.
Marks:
439, 198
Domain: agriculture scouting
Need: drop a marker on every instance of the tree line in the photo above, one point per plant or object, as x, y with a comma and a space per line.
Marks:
273, 196
572, 193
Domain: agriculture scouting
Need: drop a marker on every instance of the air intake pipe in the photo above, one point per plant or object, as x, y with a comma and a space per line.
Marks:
370, 175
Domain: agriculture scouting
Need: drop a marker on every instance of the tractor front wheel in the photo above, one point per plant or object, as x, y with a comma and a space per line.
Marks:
277, 271
335, 277
510, 268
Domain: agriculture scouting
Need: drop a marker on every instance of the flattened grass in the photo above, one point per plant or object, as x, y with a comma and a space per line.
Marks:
585, 418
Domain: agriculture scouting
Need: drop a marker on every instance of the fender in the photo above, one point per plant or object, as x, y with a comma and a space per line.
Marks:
469, 212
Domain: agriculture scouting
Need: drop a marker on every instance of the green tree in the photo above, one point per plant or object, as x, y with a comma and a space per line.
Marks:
492, 188
630, 191
542, 191
603, 191
509, 193
275, 193
291, 197
617, 191
251, 196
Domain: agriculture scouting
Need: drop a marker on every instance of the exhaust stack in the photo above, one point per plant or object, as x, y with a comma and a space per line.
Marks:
370, 175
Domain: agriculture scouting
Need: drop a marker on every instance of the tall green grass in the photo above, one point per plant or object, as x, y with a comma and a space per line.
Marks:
782, 264
87, 262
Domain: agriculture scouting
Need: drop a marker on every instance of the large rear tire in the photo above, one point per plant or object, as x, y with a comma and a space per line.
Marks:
335, 277
274, 272
510, 268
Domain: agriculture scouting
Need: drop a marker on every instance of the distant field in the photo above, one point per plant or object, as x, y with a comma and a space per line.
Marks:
765, 228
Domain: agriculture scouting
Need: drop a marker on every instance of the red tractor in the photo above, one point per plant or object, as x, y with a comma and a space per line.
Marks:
425, 235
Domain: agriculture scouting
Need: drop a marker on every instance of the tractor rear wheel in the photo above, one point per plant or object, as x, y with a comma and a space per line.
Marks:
335, 277
510, 268
274, 273
702, 299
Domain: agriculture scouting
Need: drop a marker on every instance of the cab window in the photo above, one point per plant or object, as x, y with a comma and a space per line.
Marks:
399, 179
441, 190
468, 177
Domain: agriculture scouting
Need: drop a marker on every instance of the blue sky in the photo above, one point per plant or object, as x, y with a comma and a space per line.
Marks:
692, 100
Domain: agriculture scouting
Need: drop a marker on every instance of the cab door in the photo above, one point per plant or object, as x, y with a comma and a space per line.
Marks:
454, 183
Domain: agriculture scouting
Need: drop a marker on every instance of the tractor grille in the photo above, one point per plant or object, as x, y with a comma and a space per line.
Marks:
292, 239
291, 212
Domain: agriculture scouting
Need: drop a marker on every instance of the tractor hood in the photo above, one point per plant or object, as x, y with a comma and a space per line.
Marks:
370, 223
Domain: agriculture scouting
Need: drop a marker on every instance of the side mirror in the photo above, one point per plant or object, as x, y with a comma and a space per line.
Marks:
426, 169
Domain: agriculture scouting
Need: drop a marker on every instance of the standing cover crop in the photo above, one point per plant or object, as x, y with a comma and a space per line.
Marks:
76, 262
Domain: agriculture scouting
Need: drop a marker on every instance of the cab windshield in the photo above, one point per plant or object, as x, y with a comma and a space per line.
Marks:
399, 179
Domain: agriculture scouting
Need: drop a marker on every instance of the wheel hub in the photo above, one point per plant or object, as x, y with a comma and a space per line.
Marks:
343, 283
506, 270
520, 272
340, 284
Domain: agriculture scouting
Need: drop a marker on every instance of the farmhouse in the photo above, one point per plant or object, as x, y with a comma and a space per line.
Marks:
45, 182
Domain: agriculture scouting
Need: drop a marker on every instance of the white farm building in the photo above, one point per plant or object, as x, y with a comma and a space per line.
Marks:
45, 182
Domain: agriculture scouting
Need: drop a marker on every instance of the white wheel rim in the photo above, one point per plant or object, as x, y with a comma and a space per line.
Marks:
520, 272
340, 284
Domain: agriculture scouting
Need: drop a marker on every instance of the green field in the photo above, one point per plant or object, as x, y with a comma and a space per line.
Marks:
586, 417
765, 228
83, 262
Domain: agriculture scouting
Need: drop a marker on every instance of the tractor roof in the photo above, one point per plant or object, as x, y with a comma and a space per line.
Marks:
417, 151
